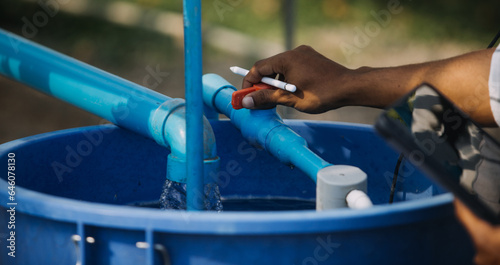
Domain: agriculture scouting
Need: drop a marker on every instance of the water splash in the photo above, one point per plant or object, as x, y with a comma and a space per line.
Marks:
174, 196
212, 197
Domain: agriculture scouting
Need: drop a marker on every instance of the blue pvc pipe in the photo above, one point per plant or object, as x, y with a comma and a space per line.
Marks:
110, 97
122, 102
194, 104
263, 128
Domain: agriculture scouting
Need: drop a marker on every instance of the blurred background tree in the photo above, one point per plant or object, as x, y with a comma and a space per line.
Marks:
128, 37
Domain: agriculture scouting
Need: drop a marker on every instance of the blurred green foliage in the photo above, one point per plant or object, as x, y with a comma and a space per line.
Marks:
453, 19
456, 19
113, 47
461, 20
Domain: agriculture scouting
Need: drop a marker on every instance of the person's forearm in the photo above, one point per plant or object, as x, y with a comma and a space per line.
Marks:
323, 84
464, 79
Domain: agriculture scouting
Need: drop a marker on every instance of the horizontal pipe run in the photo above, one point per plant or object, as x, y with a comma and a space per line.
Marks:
262, 128
115, 99
296, 152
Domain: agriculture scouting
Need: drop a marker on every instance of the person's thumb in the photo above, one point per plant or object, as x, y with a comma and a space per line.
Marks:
262, 99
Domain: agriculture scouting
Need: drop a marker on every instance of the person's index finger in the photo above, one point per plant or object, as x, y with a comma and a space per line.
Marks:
253, 77
272, 65
266, 67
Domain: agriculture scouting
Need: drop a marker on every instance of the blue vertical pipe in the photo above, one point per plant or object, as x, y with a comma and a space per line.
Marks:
194, 104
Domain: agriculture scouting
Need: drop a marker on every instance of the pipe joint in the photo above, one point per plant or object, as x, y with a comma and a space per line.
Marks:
176, 169
335, 183
170, 130
160, 117
172, 125
256, 125
212, 85
281, 138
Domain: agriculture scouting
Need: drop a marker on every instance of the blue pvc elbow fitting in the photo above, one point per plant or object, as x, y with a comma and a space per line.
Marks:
168, 126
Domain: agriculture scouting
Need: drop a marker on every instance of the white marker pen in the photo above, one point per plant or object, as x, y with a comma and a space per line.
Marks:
267, 80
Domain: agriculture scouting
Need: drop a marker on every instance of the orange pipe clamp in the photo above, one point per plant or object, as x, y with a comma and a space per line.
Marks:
237, 98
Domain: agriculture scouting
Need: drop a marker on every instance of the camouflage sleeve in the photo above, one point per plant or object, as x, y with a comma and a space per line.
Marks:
494, 84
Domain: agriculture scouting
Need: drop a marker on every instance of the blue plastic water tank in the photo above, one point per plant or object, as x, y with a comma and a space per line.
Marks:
74, 188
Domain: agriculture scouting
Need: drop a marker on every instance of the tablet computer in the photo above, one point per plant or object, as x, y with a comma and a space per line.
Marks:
442, 141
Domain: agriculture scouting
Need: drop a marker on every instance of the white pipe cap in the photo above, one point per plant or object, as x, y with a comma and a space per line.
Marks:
335, 182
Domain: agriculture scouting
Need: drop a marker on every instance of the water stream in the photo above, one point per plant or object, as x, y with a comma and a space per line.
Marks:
174, 196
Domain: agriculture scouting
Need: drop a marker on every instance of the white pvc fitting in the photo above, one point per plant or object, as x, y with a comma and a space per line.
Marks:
357, 199
334, 183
